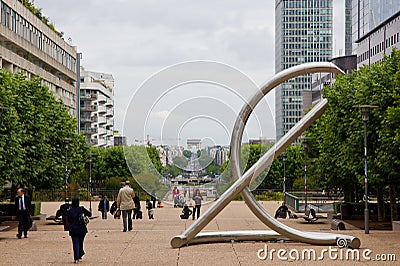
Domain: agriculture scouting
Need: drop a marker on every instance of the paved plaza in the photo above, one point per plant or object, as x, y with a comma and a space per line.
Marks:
149, 242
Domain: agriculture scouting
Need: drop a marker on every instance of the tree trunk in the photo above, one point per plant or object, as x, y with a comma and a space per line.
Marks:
381, 204
347, 194
357, 199
393, 204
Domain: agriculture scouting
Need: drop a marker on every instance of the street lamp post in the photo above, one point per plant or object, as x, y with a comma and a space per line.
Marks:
90, 181
305, 146
284, 176
365, 118
66, 142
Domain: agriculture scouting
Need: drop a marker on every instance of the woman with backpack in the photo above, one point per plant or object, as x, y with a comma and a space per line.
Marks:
77, 229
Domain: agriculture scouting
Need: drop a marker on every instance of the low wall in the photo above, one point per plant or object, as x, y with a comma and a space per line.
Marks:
395, 225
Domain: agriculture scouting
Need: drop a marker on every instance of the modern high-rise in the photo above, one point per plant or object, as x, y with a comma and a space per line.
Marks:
348, 46
368, 14
29, 45
303, 33
377, 29
97, 108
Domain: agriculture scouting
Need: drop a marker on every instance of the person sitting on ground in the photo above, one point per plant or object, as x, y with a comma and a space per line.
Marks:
282, 211
186, 212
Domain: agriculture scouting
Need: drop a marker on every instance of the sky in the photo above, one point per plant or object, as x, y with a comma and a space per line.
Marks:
182, 69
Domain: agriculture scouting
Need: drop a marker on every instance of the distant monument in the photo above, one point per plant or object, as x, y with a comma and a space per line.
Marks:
193, 144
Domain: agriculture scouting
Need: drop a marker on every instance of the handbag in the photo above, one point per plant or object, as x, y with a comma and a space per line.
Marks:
83, 219
30, 222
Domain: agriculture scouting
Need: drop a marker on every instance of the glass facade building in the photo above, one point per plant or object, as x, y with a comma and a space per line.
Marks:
303, 33
368, 14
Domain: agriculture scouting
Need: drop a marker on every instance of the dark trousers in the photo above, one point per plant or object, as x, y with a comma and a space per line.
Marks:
104, 214
127, 219
135, 213
23, 222
77, 245
196, 208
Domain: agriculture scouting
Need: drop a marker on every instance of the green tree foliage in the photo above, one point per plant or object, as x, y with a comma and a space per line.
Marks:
338, 134
180, 161
294, 165
32, 133
187, 154
117, 164
250, 154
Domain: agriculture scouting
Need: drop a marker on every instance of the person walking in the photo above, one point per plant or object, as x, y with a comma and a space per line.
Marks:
136, 210
154, 198
126, 205
24, 211
197, 203
149, 207
77, 228
175, 194
104, 207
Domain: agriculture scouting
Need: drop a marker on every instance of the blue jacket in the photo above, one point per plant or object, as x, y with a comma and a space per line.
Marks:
76, 228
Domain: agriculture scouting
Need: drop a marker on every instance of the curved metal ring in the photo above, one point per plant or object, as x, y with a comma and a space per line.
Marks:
242, 182
256, 208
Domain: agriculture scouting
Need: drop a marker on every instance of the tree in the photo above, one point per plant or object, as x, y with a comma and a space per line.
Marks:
33, 129
187, 154
294, 169
338, 134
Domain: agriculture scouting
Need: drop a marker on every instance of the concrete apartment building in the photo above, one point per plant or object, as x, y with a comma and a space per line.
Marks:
218, 153
97, 108
29, 45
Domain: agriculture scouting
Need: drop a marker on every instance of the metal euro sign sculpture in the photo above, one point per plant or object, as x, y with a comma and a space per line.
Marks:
192, 235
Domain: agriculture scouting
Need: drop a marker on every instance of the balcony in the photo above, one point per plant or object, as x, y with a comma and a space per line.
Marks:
93, 141
88, 130
109, 103
110, 113
102, 99
110, 133
88, 96
89, 108
102, 120
102, 131
102, 109
86, 119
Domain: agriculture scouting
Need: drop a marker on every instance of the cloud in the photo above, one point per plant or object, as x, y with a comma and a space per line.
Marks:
133, 40
161, 114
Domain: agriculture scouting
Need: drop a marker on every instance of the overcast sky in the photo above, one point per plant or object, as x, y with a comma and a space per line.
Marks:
135, 40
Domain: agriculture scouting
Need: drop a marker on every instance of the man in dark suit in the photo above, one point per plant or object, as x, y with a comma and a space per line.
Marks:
24, 212
104, 207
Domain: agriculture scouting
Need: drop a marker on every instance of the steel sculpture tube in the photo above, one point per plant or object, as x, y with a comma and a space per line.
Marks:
242, 182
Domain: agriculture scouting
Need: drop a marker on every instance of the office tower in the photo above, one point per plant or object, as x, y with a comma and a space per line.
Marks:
376, 29
303, 33
368, 14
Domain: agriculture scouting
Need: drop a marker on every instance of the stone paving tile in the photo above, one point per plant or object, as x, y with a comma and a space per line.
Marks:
149, 242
